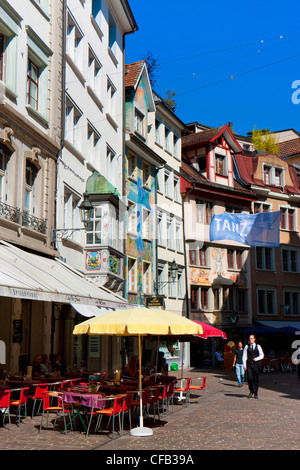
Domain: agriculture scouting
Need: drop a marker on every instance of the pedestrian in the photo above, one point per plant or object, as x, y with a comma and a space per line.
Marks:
252, 356
238, 363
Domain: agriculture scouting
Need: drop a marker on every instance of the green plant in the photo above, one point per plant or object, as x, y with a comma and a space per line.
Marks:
264, 141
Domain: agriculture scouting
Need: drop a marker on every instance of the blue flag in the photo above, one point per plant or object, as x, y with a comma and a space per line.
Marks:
260, 229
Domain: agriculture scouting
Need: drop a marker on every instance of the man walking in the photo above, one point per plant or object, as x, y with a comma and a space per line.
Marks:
251, 355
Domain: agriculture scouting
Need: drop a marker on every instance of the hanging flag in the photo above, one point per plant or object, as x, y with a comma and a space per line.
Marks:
260, 229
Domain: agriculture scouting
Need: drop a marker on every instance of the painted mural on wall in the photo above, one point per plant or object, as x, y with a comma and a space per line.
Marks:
93, 261
199, 276
218, 257
103, 261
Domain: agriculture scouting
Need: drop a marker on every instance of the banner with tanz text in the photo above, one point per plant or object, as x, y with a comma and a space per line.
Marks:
260, 229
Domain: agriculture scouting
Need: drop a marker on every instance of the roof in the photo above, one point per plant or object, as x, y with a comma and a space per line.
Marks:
209, 136
289, 148
247, 166
133, 72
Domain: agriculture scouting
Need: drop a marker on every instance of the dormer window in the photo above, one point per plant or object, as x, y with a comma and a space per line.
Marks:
220, 165
273, 175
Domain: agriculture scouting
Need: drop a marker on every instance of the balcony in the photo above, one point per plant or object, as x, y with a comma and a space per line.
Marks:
24, 219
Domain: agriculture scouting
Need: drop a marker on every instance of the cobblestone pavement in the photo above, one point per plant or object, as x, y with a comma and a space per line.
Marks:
228, 420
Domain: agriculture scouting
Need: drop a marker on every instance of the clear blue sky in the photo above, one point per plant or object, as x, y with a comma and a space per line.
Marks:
200, 45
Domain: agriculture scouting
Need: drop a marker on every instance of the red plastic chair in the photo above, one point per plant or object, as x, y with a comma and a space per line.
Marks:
163, 398
184, 392
170, 396
22, 402
126, 408
201, 387
58, 409
145, 398
38, 396
112, 413
154, 400
5, 404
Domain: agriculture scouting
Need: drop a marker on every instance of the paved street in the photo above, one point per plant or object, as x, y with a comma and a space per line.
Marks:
229, 420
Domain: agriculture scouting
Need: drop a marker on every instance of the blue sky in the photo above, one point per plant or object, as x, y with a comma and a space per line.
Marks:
201, 45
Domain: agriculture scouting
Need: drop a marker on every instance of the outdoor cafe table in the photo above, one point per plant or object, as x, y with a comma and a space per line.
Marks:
78, 399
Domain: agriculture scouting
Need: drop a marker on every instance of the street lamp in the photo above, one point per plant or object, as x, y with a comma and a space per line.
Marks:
60, 233
173, 270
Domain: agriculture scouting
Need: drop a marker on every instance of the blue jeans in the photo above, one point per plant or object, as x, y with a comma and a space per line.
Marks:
239, 370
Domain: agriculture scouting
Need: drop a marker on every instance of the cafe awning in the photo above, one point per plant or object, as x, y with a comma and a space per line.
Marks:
89, 311
29, 276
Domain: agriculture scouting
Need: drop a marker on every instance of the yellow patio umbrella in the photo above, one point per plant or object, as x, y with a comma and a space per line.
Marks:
139, 321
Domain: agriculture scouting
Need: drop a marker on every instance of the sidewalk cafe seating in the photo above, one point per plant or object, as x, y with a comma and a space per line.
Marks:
58, 409
170, 396
5, 404
126, 408
145, 397
111, 412
184, 392
201, 387
154, 401
38, 397
163, 397
21, 403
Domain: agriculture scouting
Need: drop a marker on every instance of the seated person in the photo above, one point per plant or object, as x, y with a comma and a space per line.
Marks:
131, 369
45, 365
36, 366
219, 358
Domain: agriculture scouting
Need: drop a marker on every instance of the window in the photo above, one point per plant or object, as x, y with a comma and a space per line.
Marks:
179, 236
241, 300
132, 218
170, 233
220, 165
204, 212
146, 224
261, 207
168, 146
194, 298
288, 218
266, 301
94, 227
94, 73
216, 299
230, 259
112, 34
291, 303
32, 85
160, 229
177, 147
193, 257
2, 49
111, 98
73, 124
264, 258
132, 166
204, 298
158, 132
132, 273
4, 159
31, 172
93, 144
239, 259
180, 284
96, 11
278, 177
162, 278
228, 305
139, 122
290, 261
111, 165
43, 4
147, 278
199, 297
267, 175
146, 175
177, 195
168, 182
74, 44
202, 256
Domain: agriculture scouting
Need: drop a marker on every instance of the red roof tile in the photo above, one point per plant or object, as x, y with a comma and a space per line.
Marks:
132, 72
289, 148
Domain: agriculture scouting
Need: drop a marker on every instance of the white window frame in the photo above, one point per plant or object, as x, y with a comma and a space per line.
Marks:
147, 175
132, 166
73, 123
288, 208
111, 98
177, 195
131, 274
95, 227
132, 218
272, 174
168, 183
147, 277
94, 72
146, 224
93, 144
75, 43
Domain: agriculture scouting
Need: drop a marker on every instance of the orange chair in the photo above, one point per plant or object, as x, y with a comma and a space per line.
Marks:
184, 392
58, 409
111, 412
201, 387
126, 408
154, 400
38, 396
5, 404
22, 402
